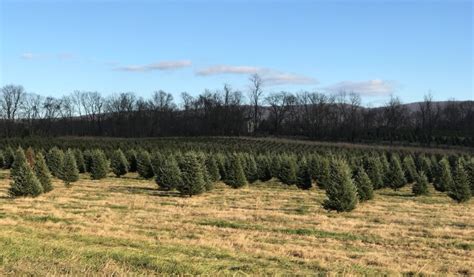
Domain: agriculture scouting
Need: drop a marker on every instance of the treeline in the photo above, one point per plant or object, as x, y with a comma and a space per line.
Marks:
228, 112
347, 176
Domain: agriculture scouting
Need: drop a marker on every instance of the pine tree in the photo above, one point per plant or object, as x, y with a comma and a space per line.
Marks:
55, 161
118, 163
235, 176
287, 174
144, 167
275, 165
365, 189
264, 171
409, 168
24, 181
340, 190
250, 168
81, 165
460, 190
396, 177
191, 174
132, 160
322, 172
374, 170
99, 165
2, 160
208, 184
426, 167
157, 160
303, 178
384, 170
470, 174
42, 172
213, 168
30, 157
87, 154
446, 178
9, 155
420, 187
70, 173
168, 176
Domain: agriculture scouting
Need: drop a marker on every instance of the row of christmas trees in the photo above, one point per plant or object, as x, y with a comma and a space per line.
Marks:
346, 180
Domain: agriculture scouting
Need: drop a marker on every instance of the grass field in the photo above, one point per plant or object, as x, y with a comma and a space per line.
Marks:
126, 226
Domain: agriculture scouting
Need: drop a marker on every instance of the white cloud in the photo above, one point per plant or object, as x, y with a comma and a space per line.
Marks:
269, 76
164, 65
29, 56
374, 87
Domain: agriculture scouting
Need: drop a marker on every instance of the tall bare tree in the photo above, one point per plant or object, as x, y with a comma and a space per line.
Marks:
255, 95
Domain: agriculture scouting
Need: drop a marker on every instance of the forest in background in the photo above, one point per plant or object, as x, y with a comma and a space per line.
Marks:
228, 112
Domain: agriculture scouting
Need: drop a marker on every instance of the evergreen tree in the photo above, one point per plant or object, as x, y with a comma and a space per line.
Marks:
303, 178
208, 184
396, 177
81, 165
144, 167
24, 181
374, 170
470, 174
132, 160
42, 172
275, 167
9, 155
340, 190
30, 157
264, 171
365, 189
420, 187
409, 168
157, 160
99, 165
221, 161
168, 176
235, 176
250, 168
19, 160
70, 173
287, 174
212, 168
385, 169
191, 174
460, 190
426, 167
446, 178
118, 163
87, 154
323, 173
55, 161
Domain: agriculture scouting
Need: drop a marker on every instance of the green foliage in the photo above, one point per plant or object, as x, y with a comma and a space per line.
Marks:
2, 160
168, 175
212, 168
303, 178
42, 172
340, 190
445, 180
409, 168
373, 168
470, 174
250, 168
319, 170
157, 160
55, 161
208, 184
70, 173
264, 170
132, 160
460, 190
191, 174
24, 181
9, 156
118, 163
144, 167
385, 169
87, 154
395, 177
420, 187
287, 174
81, 165
235, 176
99, 165
427, 168
365, 189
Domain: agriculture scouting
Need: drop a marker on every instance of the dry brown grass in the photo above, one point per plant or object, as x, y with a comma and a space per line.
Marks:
124, 226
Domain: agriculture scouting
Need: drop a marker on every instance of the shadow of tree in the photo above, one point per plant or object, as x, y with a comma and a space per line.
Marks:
144, 190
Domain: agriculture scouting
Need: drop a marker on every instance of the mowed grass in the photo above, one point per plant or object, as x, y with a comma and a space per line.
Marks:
126, 226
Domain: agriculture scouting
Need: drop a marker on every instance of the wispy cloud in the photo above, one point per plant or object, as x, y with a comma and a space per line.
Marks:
30, 56
270, 76
374, 87
65, 56
164, 65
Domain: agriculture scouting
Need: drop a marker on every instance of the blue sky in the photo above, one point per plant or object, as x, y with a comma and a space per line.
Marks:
376, 48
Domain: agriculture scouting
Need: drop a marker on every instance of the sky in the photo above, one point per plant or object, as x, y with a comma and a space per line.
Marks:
375, 48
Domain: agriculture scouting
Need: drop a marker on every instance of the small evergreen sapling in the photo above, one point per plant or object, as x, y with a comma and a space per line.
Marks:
287, 174
144, 167
132, 160
191, 174
99, 165
118, 163
55, 161
303, 178
70, 173
365, 189
420, 187
24, 181
340, 190
235, 176
81, 165
445, 180
460, 190
168, 176
395, 177
42, 172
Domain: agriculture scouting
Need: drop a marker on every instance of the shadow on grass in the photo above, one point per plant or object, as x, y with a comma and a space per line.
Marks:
144, 190
397, 193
